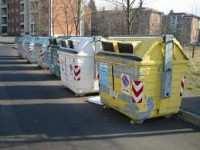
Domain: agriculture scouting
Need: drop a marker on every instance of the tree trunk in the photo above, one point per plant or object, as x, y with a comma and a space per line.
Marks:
128, 16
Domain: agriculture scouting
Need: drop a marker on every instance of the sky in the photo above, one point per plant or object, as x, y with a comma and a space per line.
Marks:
188, 6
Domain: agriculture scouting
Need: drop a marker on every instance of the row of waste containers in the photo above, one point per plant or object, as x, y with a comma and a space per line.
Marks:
141, 77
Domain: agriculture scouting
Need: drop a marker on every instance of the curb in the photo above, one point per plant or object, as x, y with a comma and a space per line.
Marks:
7, 42
189, 117
12, 45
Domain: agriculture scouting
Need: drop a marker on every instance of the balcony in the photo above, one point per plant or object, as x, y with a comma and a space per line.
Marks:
4, 25
21, 8
3, 6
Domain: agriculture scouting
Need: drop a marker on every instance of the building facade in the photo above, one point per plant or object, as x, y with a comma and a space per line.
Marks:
24, 17
53, 17
3, 17
113, 22
147, 22
13, 17
184, 26
39, 17
39, 14
107, 22
63, 17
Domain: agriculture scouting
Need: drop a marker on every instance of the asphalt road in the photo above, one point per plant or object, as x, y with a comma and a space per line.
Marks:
191, 104
38, 113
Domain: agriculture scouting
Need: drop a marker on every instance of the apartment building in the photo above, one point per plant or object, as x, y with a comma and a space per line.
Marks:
24, 16
39, 17
3, 17
107, 22
14, 17
184, 26
147, 22
13, 10
113, 22
53, 17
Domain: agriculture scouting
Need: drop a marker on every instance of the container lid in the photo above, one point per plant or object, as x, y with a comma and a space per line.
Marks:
150, 48
85, 46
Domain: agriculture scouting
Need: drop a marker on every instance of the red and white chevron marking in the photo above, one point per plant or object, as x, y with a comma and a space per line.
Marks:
182, 86
137, 91
77, 72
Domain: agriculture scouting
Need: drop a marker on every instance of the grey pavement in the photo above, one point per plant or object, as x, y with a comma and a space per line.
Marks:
191, 104
190, 111
38, 113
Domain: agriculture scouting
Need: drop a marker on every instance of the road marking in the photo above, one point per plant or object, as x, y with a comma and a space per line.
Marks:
32, 83
39, 137
43, 101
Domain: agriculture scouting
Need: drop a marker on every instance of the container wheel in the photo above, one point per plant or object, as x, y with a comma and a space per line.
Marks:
105, 107
136, 122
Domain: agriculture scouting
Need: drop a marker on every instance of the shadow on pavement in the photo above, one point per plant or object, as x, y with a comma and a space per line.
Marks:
74, 120
19, 68
15, 62
29, 92
2, 57
81, 121
28, 76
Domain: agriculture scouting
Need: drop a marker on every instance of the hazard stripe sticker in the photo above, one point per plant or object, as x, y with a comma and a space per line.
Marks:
137, 88
77, 72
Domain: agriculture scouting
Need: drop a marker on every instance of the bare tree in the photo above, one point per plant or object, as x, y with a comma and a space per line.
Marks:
92, 5
77, 16
127, 6
67, 9
72, 15
70, 11
54, 16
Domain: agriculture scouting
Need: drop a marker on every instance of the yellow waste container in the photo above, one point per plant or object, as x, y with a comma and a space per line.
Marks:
141, 76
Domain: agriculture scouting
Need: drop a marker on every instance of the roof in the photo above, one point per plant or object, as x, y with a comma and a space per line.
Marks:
120, 10
151, 9
184, 14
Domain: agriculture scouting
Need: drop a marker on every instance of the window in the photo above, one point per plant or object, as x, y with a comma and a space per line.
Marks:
4, 29
22, 8
22, 18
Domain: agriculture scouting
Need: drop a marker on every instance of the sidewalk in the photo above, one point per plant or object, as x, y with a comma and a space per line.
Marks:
190, 110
